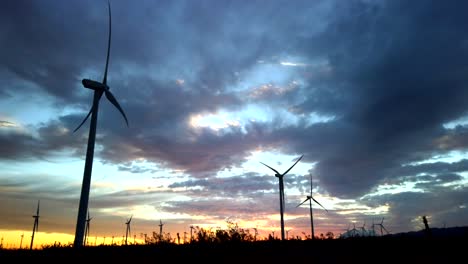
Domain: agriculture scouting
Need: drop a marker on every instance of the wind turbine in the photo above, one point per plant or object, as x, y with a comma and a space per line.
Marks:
21, 242
87, 229
363, 229
281, 191
36, 225
310, 198
99, 89
127, 232
191, 232
382, 227
160, 229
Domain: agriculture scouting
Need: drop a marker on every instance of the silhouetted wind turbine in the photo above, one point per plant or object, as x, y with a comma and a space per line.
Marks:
281, 192
36, 225
191, 231
87, 229
127, 232
354, 231
99, 89
373, 227
21, 242
363, 229
310, 198
160, 229
382, 227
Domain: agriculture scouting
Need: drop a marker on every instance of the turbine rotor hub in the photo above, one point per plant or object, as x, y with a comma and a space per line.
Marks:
94, 85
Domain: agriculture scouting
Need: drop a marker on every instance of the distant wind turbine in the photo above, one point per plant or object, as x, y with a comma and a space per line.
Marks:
281, 192
36, 225
21, 242
382, 227
127, 232
87, 229
99, 89
160, 229
310, 198
191, 233
363, 229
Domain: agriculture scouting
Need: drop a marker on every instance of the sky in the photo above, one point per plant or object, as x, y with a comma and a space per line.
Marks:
372, 93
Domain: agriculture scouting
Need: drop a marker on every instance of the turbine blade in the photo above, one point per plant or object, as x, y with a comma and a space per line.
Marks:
385, 229
270, 168
319, 204
84, 120
293, 164
311, 187
108, 45
89, 113
38, 204
112, 99
303, 202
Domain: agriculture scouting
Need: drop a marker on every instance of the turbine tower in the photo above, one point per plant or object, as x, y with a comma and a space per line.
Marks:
87, 229
99, 89
310, 198
36, 225
281, 192
127, 232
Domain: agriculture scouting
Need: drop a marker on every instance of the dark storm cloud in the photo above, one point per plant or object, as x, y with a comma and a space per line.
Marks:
398, 66
203, 44
39, 142
41, 44
436, 167
246, 185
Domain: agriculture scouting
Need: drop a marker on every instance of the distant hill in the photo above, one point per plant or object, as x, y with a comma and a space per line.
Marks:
449, 232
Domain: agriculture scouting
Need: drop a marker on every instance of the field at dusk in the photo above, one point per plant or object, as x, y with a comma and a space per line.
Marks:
356, 250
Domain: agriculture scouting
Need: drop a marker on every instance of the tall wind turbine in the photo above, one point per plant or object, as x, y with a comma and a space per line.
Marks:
87, 229
99, 89
127, 232
310, 198
36, 225
281, 192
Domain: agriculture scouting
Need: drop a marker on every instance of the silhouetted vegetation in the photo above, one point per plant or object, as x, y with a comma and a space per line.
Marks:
238, 245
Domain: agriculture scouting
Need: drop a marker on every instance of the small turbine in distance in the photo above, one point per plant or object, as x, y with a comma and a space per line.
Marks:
281, 191
310, 198
36, 225
160, 229
99, 89
127, 232
382, 228
87, 229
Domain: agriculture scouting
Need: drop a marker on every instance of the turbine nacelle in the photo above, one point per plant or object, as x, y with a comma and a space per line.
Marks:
94, 85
